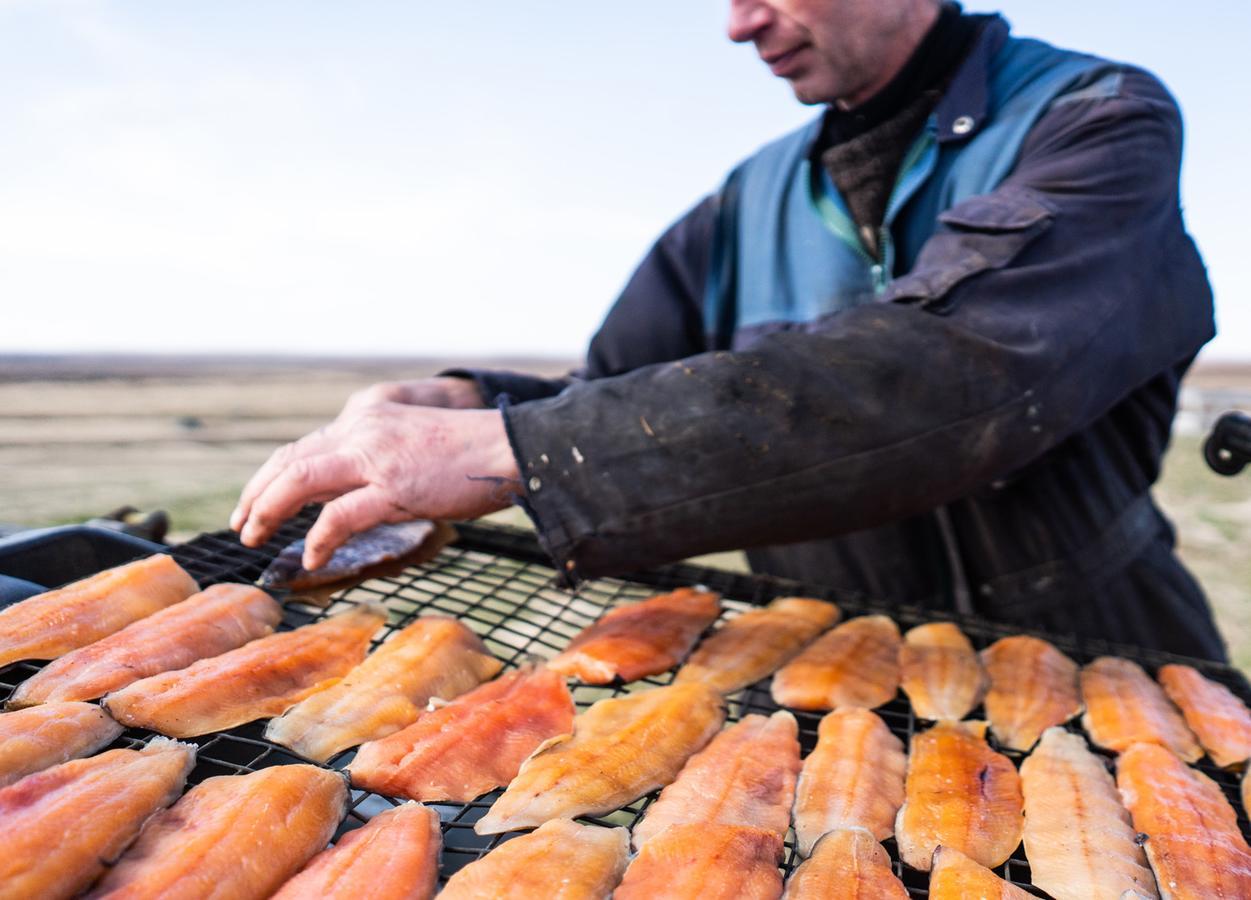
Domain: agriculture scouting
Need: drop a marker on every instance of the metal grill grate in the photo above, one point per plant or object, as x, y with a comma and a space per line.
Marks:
498, 582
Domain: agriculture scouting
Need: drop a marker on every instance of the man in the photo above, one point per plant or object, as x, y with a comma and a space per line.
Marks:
925, 350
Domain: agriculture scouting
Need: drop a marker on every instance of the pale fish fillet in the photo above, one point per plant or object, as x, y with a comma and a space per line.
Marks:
231, 837
1033, 686
940, 672
640, 639
1078, 838
1124, 706
745, 776
1219, 719
262, 678
472, 745
755, 644
34, 739
706, 862
393, 856
961, 794
846, 864
381, 544
854, 778
620, 749
48, 625
433, 657
560, 860
956, 877
220, 618
60, 827
855, 664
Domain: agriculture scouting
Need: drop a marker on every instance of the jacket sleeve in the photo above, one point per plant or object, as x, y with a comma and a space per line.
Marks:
1029, 314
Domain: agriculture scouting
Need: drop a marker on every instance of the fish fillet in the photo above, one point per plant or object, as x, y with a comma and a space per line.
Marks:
940, 672
1220, 721
34, 739
706, 862
854, 778
745, 776
641, 639
220, 618
847, 864
620, 749
961, 794
393, 856
232, 837
1078, 838
1033, 686
59, 827
1192, 836
560, 860
856, 664
1124, 706
48, 625
262, 678
753, 645
433, 657
472, 745
956, 877
381, 544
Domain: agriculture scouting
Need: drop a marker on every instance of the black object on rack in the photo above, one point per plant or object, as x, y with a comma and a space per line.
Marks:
1228, 448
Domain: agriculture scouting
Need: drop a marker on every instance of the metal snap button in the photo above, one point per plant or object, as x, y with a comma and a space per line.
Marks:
962, 125
535, 484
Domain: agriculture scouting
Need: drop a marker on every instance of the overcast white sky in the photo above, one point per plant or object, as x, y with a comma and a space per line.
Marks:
433, 178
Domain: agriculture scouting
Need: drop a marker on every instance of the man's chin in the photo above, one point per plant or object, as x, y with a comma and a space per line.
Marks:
808, 92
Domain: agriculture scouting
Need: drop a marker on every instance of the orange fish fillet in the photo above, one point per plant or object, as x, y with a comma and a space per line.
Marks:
48, 625
956, 877
394, 856
1220, 720
961, 794
433, 657
940, 672
706, 862
1032, 687
620, 749
473, 745
1078, 837
847, 864
232, 837
641, 639
1193, 841
220, 618
560, 860
261, 678
745, 776
34, 739
854, 778
59, 827
753, 645
1124, 706
856, 664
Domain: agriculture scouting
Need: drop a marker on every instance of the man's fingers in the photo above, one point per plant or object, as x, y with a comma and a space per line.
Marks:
351, 514
305, 480
278, 460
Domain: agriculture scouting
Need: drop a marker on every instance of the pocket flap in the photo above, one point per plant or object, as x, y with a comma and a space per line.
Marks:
1004, 210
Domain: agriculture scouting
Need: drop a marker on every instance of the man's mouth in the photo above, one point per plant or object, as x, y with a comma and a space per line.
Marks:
782, 64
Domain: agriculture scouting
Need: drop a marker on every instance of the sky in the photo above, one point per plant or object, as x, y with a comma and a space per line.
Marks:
399, 177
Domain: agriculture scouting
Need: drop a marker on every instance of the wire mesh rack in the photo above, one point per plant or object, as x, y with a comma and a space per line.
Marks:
498, 582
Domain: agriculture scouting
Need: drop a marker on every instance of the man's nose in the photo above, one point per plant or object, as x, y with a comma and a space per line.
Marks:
747, 19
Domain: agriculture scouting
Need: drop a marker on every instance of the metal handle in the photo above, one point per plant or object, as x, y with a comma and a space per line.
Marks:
1228, 448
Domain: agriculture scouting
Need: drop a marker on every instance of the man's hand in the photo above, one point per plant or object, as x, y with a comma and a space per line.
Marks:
443, 392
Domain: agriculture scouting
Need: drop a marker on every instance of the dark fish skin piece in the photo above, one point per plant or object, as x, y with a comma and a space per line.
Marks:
382, 544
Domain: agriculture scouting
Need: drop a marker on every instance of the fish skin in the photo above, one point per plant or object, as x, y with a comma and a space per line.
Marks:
854, 664
640, 639
954, 876
473, 745
1078, 837
262, 678
941, 672
1220, 721
1033, 686
380, 544
961, 794
853, 778
620, 749
54, 623
560, 860
217, 619
433, 657
60, 827
745, 776
393, 856
1124, 706
846, 864
1193, 842
753, 645
706, 862
47, 735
